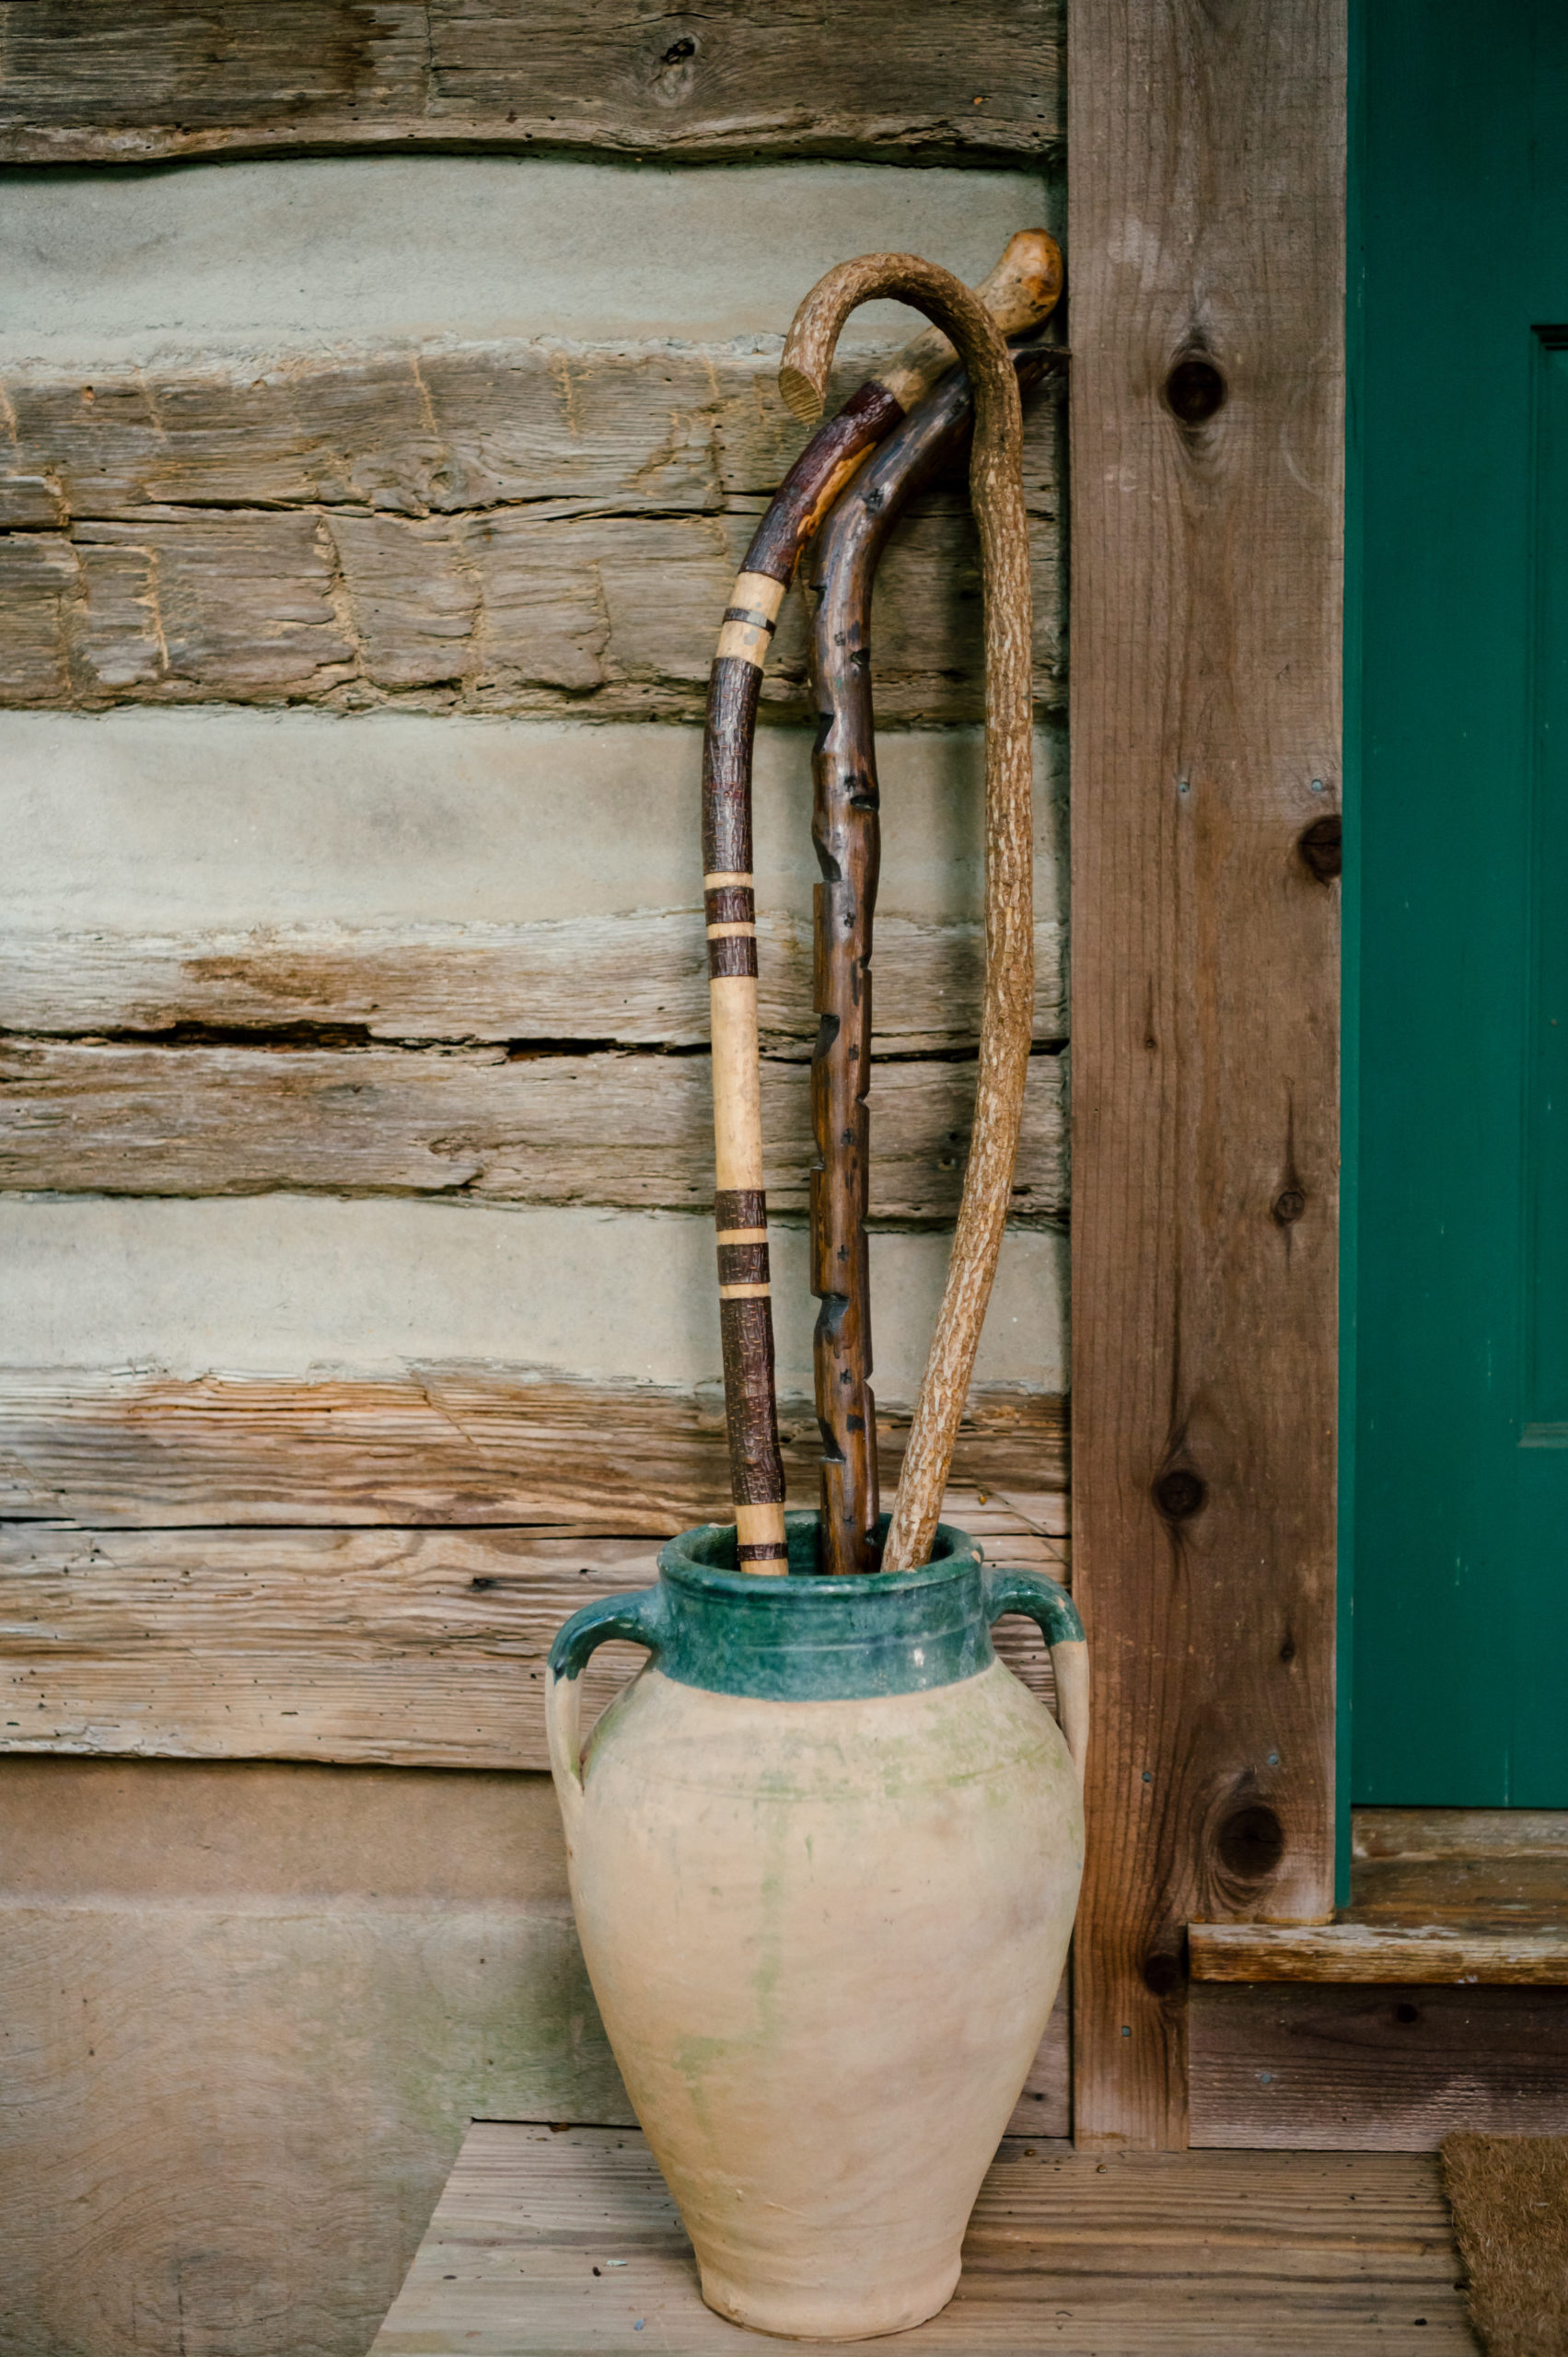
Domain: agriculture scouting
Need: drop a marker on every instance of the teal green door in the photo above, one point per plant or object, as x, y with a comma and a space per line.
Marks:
1457, 802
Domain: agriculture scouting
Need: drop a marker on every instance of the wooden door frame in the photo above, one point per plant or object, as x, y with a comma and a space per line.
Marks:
1206, 258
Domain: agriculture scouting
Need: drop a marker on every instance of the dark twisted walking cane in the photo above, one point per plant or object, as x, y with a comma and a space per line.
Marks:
1021, 290
846, 830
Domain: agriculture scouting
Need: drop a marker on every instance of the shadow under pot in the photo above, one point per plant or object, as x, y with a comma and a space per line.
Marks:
824, 1855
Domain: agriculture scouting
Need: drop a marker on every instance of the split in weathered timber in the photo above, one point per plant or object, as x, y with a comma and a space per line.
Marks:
900, 79
496, 1123
637, 980
518, 528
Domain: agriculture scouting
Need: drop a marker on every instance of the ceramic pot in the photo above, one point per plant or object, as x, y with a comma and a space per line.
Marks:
824, 1855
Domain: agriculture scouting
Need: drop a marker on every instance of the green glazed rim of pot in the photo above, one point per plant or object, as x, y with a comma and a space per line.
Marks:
799, 1637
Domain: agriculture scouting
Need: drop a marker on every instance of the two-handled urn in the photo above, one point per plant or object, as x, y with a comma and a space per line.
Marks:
825, 1850
825, 1853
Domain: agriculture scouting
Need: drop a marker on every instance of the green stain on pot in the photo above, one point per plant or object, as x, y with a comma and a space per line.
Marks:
694, 2058
804, 1638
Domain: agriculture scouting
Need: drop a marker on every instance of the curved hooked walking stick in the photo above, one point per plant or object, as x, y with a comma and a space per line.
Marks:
1020, 290
845, 830
996, 494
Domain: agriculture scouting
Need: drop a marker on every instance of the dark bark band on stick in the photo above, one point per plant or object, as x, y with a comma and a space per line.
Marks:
1020, 290
845, 830
996, 494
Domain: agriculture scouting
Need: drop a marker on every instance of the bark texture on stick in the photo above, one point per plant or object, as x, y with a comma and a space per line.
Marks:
996, 494
846, 832
1022, 288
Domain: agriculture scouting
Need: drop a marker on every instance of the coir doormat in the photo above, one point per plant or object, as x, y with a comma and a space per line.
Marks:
1509, 2196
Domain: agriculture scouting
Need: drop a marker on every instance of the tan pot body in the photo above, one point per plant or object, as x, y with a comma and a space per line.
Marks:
825, 1937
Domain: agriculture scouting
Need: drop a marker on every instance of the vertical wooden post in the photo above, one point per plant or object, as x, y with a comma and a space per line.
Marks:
1206, 177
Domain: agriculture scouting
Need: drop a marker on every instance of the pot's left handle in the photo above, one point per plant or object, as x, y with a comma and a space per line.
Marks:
640, 1618
1056, 1615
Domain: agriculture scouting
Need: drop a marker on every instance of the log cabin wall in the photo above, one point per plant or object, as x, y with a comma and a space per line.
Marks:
376, 459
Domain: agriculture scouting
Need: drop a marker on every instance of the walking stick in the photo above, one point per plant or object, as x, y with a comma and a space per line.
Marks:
997, 497
1020, 290
846, 832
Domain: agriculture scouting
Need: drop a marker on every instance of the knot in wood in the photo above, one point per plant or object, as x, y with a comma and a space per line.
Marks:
1252, 1841
1321, 847
1196, 390
1181, 1493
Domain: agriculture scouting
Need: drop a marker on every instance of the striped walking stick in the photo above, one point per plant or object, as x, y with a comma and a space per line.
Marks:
1019, 290
845, 830
996, 494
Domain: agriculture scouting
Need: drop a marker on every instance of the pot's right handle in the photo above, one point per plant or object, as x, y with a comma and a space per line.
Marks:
1056, 1616
639, 1618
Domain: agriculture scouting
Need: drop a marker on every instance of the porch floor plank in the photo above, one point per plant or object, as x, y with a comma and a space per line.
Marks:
1089, 2255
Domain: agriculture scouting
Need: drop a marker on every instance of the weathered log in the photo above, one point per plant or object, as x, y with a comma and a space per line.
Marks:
632, 980
442, 1443
564, 428
517, 527
505, 612
226, 1117
127, 80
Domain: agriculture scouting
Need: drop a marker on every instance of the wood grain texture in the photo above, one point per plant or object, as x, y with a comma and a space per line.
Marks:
440, 1444
1206, 173
1383, 2070
629, 981
1453, 1952
518, 1125
892, 80
1285, 2257
521, 527
387, 1646
1508, 1838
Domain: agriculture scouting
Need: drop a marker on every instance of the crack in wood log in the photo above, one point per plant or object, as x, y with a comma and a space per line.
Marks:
632, 980
899, 79
487, 1121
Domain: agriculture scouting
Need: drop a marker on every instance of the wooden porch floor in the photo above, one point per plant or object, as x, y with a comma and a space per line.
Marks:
565, 2240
